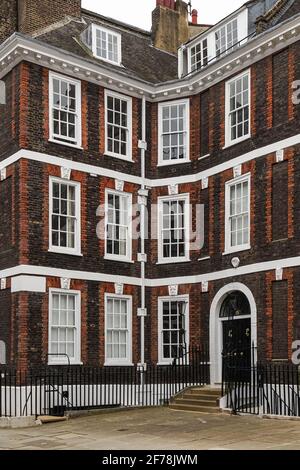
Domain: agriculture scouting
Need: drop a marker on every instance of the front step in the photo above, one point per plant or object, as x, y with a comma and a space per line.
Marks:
202, 400
51, 419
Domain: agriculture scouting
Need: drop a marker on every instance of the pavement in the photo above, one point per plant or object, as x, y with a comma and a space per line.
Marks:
156, 429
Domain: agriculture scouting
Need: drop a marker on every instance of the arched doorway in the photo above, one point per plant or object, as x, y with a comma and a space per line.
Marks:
232, 325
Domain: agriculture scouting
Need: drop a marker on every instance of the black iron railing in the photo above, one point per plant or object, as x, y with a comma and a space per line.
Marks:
261, 387
53, 390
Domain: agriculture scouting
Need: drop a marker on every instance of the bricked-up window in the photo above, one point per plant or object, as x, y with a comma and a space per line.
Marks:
65, 110
173, 331
118, 330
198, 56
118, 225
237, 214
107, 45
227, 38
173, 226
173, 123
64, 216
237, 120
64, 326
118, 125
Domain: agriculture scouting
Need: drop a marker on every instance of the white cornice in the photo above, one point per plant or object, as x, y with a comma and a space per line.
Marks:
151, 183
19, 48
254, 268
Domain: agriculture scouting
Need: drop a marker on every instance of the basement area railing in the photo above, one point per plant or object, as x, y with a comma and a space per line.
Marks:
55, 390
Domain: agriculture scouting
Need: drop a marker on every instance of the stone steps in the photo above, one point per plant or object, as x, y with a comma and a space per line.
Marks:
201, 400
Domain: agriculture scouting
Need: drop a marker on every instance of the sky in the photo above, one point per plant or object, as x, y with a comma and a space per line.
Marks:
138, 12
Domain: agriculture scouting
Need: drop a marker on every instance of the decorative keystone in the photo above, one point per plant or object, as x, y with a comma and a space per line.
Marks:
65, 283
237, 171
173, 189
204, 286
3, 174
3, 283
279, 156
119, 185
65, 173
279, 274
119, 288
204, 183
173, 290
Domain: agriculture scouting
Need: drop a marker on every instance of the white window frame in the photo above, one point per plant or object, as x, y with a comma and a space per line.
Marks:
128, 99
160, 201
111, 256
78, 130
61, 360
119, 361
202, 49
59, 249
96, 28
228, 246
234, 45
161, 106
228, 140
161, 300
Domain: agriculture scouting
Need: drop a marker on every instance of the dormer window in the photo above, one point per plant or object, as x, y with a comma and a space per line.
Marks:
227, 37
198, 55
106, 45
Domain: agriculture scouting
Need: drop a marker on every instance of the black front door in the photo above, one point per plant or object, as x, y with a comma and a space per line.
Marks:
237, 346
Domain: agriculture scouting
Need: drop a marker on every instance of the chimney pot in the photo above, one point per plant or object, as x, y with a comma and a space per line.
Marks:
195, 16
166, 3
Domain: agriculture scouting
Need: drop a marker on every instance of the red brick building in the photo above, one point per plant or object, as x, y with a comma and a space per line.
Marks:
98, 117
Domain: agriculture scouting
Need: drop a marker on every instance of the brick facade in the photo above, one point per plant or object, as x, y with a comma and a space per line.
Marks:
274, 209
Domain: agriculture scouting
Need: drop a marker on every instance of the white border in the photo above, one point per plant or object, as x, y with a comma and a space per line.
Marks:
96, 27
186, 103
78, 129
175, 298
119, 362
160, 201
52, 360
228, 141
246, 246
58, 249
127, 258
128, 99
215, 327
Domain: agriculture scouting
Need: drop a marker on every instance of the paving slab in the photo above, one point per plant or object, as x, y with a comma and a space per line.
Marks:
156, 428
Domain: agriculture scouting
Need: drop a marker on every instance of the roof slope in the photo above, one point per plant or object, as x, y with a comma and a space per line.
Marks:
139, 58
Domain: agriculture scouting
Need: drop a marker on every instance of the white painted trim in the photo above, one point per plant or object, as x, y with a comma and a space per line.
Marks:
119, 362
96, 27
228, 141
127, 258
152, 183
173, 298
160, 201
78, 129
136, 281
28, 284
128, 99
215, 327
77, 358
161, 106
58, 249
228, 247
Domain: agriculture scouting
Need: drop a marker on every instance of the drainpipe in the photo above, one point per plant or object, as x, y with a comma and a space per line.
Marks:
142, 257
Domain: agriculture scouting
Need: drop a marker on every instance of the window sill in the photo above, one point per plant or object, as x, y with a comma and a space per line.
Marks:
204, 258
66, 144
120, 260
118, 364
173, 162
230, 251
59, 363
119, 157
204, 156
237, 141
63, 252
174, 261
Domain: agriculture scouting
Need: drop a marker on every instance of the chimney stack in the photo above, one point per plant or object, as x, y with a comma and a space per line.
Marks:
32, 16
195, 16
170, 26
